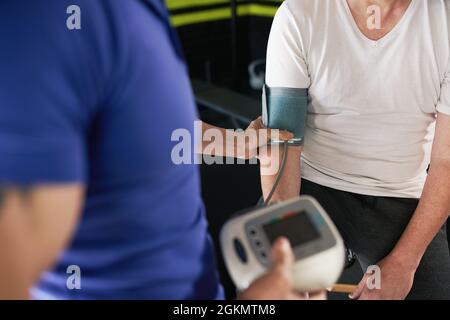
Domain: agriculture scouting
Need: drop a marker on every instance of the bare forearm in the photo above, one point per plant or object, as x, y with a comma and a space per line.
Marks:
16, 254
289, 185
433, 210
225, 146
13, 278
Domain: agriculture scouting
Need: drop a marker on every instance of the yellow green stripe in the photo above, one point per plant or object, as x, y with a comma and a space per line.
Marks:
273, 1
199, 17
183, 4
221, 14
256, 10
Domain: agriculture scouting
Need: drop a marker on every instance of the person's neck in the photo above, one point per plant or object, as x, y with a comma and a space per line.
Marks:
391, 12
386, 6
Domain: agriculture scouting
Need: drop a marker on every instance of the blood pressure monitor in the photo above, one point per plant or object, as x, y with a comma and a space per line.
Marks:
319, 251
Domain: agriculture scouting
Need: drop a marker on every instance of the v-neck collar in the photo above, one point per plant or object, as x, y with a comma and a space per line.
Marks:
398, 26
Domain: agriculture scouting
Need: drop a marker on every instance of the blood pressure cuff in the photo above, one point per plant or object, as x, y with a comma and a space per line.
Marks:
286, 109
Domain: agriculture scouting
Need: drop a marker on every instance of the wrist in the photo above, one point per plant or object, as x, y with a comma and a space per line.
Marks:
407, 261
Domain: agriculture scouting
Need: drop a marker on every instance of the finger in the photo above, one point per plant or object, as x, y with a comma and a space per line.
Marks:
298, 296
286, 135
279, 135
367, 295
295, 295
318, 296
357, 293
257, 124
264, 136
282, 255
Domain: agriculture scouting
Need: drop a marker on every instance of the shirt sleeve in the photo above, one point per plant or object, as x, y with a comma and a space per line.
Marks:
41, 126
286, 64
443, 105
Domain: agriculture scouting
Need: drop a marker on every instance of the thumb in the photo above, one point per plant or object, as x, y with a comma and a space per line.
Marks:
282, 255
357, 293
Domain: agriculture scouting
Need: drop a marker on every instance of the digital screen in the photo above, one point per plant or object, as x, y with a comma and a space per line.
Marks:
297, 228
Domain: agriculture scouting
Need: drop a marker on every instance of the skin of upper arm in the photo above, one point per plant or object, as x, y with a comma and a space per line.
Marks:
36, 224
441, 143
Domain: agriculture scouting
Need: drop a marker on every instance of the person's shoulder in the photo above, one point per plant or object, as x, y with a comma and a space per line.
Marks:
438, 6
55, 25
306, 12
305, 8
303, 5
438, 11
68, 45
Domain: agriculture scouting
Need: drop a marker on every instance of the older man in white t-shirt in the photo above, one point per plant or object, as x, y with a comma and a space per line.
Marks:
379, 114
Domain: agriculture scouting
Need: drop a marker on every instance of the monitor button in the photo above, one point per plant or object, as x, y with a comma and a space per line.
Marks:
240, 251
252, 232
263, 255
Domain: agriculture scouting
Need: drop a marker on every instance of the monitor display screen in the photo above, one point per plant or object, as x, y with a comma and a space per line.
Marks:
297, 228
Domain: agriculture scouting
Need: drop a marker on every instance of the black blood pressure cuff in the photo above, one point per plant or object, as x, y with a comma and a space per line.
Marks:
286, 109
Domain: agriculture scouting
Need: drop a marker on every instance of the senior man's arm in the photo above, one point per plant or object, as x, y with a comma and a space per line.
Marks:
270, 162
35, 225
286, 67
399, 267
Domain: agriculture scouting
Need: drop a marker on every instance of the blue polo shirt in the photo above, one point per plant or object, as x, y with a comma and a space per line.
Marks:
98, 106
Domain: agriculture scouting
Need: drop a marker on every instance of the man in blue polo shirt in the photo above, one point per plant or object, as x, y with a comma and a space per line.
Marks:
86, 116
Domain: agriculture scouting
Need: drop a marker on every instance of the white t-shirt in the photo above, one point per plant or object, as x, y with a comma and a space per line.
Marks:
373, 105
